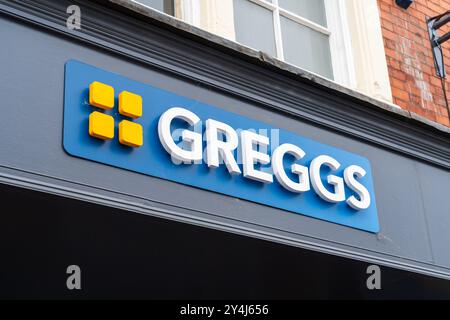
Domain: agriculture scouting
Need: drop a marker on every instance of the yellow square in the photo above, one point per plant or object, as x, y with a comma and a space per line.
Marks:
130, 104
101, 125
101, 95
130, 134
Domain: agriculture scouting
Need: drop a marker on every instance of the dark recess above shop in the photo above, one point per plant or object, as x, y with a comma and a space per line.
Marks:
404, 3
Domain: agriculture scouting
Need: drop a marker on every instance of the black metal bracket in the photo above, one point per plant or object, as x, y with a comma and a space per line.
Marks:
434, 24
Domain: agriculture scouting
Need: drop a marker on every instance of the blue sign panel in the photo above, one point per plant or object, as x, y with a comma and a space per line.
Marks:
116, 121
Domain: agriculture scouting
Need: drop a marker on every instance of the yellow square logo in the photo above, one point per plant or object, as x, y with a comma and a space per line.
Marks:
130, 104
101, 95
101, 125
130, 133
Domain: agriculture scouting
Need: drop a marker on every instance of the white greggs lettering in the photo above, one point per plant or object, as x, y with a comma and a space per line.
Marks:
217, 149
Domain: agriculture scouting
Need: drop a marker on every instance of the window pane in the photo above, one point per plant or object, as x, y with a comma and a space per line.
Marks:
161, 5
306, 48
155, 4
313, 10
254, 26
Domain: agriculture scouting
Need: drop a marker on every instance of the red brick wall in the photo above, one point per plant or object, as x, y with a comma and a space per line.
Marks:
414, 83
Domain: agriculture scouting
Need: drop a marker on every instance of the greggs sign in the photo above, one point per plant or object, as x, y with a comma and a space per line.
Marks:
123, 123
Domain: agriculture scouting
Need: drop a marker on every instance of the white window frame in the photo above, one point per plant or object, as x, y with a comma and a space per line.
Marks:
190, 10
339, 37
342, 58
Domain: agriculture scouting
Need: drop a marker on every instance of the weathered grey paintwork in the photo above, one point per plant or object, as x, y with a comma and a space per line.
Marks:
410, 159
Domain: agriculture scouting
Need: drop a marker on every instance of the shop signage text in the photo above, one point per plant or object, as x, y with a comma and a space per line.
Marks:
113, 120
